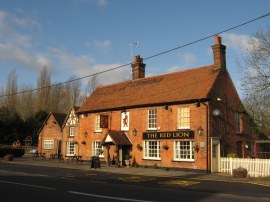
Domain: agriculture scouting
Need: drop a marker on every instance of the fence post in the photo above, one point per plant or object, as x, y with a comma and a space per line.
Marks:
231, 169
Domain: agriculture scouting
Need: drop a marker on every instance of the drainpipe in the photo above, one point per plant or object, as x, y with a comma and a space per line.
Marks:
207, 136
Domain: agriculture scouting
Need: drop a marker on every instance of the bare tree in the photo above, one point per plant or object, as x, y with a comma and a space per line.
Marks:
256, 81
10, 101
25, 102
72, 94
256, 67
92, 84
56, 98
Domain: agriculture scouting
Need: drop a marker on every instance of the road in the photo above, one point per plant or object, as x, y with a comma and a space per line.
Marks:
35, 183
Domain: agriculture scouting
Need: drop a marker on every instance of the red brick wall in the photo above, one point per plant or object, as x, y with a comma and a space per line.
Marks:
230, 104
166, 120
50, 131
67, 138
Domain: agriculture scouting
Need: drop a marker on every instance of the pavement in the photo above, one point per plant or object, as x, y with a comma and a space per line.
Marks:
142, 171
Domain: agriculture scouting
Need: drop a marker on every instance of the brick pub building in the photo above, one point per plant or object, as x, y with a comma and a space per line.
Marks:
185, 119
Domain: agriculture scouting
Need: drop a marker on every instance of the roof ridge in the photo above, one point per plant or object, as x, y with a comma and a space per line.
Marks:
155, 76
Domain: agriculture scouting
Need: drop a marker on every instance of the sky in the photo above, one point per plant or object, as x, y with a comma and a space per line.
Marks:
83, 37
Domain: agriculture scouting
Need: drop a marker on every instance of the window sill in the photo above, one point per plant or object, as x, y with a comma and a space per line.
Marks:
151, 129
98, 131
71, 136
183, 161
146, 159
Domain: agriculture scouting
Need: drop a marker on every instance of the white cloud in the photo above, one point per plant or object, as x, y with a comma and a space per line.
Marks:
16, 46
186, 60
239, 42
103, 46
102, 2
84, 65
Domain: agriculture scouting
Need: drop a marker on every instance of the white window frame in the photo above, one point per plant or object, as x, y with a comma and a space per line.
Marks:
71, 151
148, 152
48, 144
71, 131
184, 151
152, 117
97, 124
183, 117
97, 148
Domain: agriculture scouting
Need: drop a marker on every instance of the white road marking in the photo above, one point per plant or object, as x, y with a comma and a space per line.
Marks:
27, 185
108, 197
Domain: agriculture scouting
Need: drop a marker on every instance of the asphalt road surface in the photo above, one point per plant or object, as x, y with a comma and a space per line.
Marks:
34, 183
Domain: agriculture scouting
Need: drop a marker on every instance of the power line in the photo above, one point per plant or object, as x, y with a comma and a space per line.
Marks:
146, 58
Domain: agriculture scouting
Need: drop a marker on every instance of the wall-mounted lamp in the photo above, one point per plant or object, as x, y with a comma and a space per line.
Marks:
219, 99
135, 132
85, 134
200, 130
166, 107
196, 148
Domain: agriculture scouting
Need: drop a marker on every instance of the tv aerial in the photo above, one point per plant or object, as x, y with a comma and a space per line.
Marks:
133, 44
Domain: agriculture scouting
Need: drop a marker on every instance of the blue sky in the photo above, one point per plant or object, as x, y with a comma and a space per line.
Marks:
82, 37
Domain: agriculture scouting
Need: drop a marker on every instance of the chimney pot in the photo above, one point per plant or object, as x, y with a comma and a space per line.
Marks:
218, 39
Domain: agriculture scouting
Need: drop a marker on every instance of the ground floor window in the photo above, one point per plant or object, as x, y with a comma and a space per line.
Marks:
71, 149
152, 149
48, 144
183, 151
97, 149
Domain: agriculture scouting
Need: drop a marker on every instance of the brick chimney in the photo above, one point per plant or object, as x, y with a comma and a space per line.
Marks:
219, 52
138, 68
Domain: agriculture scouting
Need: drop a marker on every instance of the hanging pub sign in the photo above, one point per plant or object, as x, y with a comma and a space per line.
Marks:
125, 121
104, 121
183, 134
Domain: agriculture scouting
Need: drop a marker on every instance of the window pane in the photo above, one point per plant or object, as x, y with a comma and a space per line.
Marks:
152, 118
71, 151
48, 144
71, 131
97, 125
183, 150
152, 149
97, 149
184, 117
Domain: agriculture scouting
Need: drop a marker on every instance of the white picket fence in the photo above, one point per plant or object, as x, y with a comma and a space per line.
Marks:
255, 167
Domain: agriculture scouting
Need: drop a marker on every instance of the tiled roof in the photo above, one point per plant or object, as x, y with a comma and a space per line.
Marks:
118, 137
167, 88
60, 118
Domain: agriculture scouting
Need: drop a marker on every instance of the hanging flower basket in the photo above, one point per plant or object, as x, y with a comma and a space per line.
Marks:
83, 142
166, 147
139, 147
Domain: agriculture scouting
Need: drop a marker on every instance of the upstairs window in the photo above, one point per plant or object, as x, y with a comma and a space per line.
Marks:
152, 119
97, 124
238, 122
183, 118
71, 131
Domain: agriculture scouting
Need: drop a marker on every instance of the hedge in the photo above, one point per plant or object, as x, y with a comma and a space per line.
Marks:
16, 152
